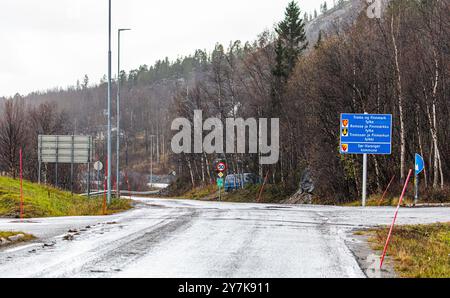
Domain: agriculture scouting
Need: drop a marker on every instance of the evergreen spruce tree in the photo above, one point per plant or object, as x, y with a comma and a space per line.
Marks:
291, 42
324, 7
292, 38
280, 66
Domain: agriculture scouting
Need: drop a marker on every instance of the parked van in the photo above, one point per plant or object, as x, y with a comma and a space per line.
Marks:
235, 181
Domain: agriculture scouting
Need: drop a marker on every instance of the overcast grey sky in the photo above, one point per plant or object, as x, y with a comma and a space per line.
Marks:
52, 43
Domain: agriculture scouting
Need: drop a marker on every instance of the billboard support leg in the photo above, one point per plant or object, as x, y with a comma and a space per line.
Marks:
39, 158
89, 180
39, 172
56, 164
56, 175
71, 179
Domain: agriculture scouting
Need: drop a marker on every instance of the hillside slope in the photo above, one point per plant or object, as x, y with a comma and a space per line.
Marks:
45, 201
334, 19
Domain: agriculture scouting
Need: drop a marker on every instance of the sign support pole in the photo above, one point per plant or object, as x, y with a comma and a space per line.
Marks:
98, 180
419, 167
416, 189
56, 165
89, 170
71, 166
364, 182
39, 159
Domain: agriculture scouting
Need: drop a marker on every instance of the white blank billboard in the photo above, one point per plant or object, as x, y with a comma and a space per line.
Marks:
65, 149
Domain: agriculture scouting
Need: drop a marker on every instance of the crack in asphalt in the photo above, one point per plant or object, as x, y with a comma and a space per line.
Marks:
130, 251
112, 258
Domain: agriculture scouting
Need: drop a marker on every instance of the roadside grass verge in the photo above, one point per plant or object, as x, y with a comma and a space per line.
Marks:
427, 196
277, 193
202, 192
271, 194
46, 201
6, 234
9, 234
375, 201
419, 251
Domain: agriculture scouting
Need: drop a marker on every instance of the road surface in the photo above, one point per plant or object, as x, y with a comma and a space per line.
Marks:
191, 239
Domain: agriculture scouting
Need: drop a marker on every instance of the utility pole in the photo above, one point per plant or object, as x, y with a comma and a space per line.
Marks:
118, 117
109, 108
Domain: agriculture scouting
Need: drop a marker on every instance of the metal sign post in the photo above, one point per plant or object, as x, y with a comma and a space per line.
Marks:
365, 134
364, 182
220, 185
71, 167
221, 168
39, 159
419, 167
56, 162
89, 168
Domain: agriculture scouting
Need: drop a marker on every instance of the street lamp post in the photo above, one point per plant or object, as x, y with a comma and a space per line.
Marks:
118, 117
109, 108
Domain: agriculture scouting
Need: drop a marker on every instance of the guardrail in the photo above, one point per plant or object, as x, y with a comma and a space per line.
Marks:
123, 192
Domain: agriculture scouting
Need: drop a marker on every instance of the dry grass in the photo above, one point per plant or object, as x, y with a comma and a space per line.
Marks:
421, 251
202, 192
375, 201
27, 237
45, 201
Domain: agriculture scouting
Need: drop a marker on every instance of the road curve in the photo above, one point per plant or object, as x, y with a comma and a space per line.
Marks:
190, 239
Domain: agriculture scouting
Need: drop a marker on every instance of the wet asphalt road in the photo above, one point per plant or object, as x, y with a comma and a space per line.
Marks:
189, 239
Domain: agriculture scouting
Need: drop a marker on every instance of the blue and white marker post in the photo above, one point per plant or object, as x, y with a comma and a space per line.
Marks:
419, 167
365, 134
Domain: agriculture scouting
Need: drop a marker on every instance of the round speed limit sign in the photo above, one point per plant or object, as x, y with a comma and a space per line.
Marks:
98, 166
221, 167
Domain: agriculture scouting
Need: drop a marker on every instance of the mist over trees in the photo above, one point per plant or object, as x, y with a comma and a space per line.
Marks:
398, 64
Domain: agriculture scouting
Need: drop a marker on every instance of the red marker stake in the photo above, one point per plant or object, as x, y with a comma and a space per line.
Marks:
385, 192
262, 187
128, 183
395, 218
21, 184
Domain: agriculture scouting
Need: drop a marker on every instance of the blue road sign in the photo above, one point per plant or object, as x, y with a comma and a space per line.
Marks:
420, 164
366, 134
